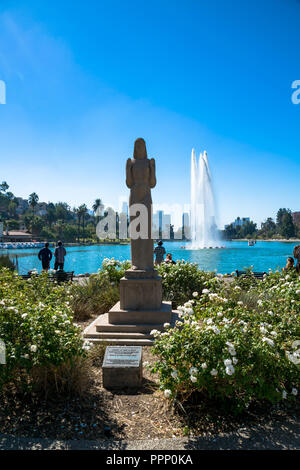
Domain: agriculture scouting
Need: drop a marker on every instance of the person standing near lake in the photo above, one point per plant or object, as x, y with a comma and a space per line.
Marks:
169, 259
59, 253
159, 253
296, 254
45, 256
290, 264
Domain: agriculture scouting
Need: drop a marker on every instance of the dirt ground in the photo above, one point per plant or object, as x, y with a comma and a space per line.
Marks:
138, 414
131, 415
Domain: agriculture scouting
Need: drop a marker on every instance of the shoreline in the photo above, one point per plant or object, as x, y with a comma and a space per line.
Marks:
283, 240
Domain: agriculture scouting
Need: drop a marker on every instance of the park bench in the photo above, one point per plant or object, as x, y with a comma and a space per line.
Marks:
59, 276
257, 275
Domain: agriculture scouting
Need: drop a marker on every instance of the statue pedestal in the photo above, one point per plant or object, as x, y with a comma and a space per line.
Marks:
140, 310
140, 294
119, 316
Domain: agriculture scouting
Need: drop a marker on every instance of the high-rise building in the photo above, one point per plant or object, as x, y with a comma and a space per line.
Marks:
186, 227
239, 222
125, 208
161, 225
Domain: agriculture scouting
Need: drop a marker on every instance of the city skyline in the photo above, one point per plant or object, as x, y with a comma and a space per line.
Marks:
161, 220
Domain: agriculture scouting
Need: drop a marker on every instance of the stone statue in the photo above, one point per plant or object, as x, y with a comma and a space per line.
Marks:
140, 178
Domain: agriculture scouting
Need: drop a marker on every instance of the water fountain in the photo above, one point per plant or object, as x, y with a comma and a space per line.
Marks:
204, 230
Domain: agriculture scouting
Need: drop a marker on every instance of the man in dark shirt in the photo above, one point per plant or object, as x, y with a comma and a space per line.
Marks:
159, 253
45, 256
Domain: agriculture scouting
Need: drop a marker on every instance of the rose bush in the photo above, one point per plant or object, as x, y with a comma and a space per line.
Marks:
113, 269
180, 280
36, 326
233, 345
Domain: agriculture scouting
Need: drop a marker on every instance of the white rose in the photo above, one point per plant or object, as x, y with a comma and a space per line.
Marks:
193, 378
215, 330
268, 341
193, 370
294, 391
204, 365
154, 332
167, 393
189, 311
214, 372
195, 294
33, 348
228, 362
229, 370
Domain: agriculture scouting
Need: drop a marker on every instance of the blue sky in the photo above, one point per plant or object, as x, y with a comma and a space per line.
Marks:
85, 79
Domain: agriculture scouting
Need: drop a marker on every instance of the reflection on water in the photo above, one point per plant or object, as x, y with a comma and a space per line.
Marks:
237, 255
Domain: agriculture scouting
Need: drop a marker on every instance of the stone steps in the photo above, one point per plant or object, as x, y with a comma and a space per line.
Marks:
103, 325
122, 334
102, 331
122, 342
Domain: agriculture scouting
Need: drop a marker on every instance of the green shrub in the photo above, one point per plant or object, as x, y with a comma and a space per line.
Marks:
226, 350
113, 270
36, 326
6, 262
96, 295
180, 280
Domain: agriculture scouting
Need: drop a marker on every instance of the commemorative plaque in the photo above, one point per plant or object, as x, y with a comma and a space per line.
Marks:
122, 367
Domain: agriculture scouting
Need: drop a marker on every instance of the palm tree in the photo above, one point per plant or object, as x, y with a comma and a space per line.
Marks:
4, 187
97, 207
78, 215
82, 211
33, 201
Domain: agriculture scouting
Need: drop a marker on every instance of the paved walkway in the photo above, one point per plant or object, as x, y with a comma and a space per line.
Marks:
280, 436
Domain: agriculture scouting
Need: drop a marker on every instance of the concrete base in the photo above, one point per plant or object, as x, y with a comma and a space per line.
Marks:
118, 315
133, 329
137, 293
117, 378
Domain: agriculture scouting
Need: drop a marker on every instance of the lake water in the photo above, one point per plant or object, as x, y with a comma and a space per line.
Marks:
236, 255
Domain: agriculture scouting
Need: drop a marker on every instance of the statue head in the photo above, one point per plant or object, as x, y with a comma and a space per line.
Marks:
140, 150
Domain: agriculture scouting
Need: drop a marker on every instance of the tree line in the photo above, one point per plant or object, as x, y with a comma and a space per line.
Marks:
50, 220
285, 226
